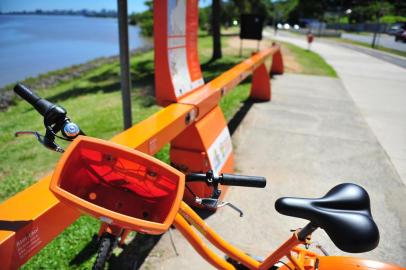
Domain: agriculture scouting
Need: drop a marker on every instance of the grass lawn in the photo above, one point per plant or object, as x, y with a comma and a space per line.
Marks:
311, 63
93, 101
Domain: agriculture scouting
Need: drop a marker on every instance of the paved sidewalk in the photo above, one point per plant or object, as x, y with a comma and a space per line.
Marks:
387, 57
378, 89
311, 137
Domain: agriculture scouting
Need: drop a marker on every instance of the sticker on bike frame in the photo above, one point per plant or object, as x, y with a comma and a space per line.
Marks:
220, 150
29, 242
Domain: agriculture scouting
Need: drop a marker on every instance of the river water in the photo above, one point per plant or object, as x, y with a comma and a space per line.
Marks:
32, 44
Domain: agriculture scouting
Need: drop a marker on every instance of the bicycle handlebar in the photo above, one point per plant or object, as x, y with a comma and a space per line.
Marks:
243, 180
40, 104
228, 179
196, 177
55, 119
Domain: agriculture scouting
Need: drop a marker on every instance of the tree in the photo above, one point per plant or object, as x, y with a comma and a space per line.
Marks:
204, 18
229, 13
370, 11
144, 19
258, 7
230, 10
215, 29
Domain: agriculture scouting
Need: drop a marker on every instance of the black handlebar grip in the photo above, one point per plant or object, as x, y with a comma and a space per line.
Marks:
243, 180
40, 104
196, 177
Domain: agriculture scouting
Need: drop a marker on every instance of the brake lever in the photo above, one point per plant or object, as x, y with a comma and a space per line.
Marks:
35, 133
215, 204
207, 202
222, 204
48, 143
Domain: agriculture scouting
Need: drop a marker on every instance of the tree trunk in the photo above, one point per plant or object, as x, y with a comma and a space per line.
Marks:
215, 28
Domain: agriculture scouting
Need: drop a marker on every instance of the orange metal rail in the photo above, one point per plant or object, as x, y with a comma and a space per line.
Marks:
209, 95
33, 217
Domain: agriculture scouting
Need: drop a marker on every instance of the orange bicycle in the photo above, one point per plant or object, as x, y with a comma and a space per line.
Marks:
131, 191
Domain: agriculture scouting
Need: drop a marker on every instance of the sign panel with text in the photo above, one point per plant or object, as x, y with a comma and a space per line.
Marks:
177, 63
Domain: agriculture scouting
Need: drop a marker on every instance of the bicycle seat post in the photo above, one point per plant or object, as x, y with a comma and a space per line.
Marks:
306, 231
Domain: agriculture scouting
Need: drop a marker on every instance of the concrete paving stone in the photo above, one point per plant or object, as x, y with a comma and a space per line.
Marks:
316, 115
377, 88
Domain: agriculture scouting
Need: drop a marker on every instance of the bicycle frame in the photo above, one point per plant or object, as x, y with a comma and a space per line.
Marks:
187, 216
299, 258
114, 230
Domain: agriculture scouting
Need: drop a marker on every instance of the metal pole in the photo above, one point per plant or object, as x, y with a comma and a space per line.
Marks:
377, 28
124, 61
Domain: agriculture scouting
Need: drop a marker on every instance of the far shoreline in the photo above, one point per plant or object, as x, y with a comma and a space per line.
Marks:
84, 13
52, 78
29, 49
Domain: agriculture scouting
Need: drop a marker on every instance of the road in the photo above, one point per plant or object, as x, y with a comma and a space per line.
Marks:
383, 40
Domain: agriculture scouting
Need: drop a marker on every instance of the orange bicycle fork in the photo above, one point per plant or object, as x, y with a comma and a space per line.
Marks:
186, 218
117, 231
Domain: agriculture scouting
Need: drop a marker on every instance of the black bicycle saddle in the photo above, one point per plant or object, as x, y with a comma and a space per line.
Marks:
344, 213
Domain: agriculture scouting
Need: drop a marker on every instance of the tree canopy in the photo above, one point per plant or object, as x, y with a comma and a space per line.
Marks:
291, 11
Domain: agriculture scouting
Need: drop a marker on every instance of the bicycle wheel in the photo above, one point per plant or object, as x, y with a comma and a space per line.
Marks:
106, 246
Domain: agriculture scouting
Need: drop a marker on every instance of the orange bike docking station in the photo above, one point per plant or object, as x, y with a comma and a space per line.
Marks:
205, 145
191, 121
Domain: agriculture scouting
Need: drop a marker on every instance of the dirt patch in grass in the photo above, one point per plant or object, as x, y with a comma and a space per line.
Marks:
290, 63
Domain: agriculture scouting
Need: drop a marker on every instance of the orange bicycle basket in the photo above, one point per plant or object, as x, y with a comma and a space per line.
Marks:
118, 185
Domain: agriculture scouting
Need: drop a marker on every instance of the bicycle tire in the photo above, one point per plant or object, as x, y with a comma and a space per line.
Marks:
106, 246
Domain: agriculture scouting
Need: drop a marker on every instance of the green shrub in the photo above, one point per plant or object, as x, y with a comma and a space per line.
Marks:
393, 19
145, 20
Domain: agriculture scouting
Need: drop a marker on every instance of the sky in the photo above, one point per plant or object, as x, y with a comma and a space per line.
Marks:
30, 5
